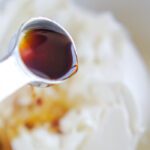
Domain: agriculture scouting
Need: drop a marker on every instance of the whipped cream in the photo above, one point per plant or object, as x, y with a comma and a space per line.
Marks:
112, 84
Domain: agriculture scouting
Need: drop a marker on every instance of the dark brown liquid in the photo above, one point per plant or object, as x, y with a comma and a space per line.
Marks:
48, 54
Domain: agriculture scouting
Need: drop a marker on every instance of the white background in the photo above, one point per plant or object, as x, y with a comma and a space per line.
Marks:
134, 14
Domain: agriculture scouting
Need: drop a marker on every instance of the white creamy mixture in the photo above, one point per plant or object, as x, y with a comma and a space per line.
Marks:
112, 82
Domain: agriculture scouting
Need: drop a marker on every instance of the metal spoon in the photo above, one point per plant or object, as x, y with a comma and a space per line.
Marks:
13, 73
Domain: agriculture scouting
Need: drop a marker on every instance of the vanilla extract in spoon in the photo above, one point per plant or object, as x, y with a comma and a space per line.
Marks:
48, 54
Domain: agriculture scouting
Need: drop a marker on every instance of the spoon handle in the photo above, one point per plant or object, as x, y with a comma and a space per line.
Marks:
11, 77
